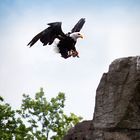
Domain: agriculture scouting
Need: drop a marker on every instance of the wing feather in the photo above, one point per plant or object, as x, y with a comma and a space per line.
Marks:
48, 35
35, 39
78, 26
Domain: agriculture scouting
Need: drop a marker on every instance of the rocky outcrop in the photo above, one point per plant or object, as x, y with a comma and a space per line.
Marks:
117, 108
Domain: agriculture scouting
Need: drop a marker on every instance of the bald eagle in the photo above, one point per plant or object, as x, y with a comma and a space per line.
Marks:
66, 44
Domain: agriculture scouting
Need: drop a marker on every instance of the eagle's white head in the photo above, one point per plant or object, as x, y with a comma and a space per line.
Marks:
76, 35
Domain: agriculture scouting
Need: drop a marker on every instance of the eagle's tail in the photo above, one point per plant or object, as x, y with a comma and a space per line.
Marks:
34, 40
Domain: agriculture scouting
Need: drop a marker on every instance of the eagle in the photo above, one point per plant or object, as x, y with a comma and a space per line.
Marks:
67, 41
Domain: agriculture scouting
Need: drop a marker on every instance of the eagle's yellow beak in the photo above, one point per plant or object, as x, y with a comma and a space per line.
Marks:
81, 36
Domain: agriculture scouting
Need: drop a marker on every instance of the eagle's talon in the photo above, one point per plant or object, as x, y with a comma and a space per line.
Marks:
75, 53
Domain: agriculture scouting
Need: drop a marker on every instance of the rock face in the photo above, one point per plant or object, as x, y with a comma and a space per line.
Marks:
117, 108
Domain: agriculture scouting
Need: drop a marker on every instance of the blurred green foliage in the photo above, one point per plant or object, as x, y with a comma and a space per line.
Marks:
37, 118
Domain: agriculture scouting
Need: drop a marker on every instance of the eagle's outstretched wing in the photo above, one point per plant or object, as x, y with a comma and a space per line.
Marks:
66, 45
78, 26
48, 35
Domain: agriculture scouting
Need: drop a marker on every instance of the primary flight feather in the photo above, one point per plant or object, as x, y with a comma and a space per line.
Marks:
66, 45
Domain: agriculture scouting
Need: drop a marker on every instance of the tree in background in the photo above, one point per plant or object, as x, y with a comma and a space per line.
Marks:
42, 119
11, 126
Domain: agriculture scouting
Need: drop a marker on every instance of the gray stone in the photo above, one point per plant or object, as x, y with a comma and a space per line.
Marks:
117, 108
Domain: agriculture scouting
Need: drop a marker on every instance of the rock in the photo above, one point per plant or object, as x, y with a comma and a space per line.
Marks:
81, 131
117, 108
118, 96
